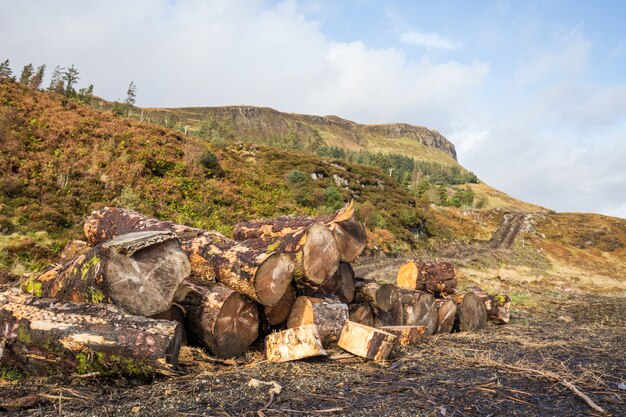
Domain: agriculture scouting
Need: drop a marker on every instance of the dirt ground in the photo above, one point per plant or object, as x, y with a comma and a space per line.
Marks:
498, 371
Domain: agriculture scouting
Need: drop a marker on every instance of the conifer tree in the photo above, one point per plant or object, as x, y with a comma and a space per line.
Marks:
131, 94
70, 76
37, 79
5, 70
56, 77
27, 72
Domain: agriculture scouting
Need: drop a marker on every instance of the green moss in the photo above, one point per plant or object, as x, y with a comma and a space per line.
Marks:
130, 367
273, 246
87, 266
23, 336
89, 363
95, 295
33, 287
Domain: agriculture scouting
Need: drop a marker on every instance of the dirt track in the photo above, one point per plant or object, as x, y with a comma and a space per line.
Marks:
451, 375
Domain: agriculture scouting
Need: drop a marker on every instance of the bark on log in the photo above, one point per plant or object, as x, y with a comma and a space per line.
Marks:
139, 272
419, 309
327, 314
446, 314
382, 297
293, 344
367, 342
498, 305
262, 275
348, 233
223, 320
340, 284
276, 315
313, 249
471, 312
438, 278
362, 314
406, 335
73, 249
43, 336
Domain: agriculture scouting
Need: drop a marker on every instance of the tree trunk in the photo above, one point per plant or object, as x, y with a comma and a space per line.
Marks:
43, 336
471, 312
367, 342
223, 320
340, 284
438, 278
498, 305
278, 314
362, 314
406, 335
446, 313
313, 250
139, 272
293, 344
348, 233
329, 315
261, 274
419, 308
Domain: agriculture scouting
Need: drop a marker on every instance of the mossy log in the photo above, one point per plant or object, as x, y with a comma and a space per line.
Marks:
73, 249
438, 278
471, 312
367, 342
348, 233
277, 314
362, 314
446, 314
340, 284
293, 344
223, 320
327, 314
419, 309
44, 336
406, 335
498, 305
260, 273
139, 272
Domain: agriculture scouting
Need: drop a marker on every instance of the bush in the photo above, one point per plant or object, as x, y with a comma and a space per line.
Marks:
296, 178
333, 199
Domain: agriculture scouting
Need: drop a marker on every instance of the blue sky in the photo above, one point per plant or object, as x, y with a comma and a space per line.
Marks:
532, 93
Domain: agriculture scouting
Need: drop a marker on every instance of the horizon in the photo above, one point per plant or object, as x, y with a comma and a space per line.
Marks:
531, 95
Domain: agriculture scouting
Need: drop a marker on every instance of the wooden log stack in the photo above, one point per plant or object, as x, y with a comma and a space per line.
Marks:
127, 299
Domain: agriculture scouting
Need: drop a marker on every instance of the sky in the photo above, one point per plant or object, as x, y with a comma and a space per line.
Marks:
532, 93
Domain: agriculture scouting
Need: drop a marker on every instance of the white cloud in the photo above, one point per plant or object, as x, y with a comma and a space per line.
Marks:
428, 40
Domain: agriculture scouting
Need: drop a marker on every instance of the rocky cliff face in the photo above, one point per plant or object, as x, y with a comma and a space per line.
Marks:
265, 121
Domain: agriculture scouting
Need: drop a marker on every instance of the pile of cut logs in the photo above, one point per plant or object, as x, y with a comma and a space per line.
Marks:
127, 299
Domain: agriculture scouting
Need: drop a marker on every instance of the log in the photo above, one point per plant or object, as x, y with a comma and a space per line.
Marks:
348, 233
419, 309
223, 320
261, 274
382, 297
446, 313
498, 305
139, 272
471, 312
340, 284
406, 335
327, 314
73, 249
293, 344
276, 315
367, 342
43, 336
438, 278
362, 314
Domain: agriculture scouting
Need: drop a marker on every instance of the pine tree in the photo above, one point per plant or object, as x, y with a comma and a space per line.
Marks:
27, 72
85, 94
37, 79
5, 70
56, 77
131, 94
70, 76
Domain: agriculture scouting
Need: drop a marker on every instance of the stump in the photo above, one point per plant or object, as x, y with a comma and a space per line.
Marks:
42, 335
419, 309
498, 305
223, 320
340, 284
471, 312
278, 314
438, 278
446, 313
293, 344
328, 315
367, 342
362, 314
260, 274
139, 272
406, 335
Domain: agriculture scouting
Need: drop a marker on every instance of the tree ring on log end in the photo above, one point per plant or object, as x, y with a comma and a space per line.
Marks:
237, 325
320, 254
273, 278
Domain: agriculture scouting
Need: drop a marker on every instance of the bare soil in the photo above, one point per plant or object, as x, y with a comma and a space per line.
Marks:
580, 338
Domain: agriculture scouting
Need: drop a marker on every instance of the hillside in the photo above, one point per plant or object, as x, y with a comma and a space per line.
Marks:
61, 159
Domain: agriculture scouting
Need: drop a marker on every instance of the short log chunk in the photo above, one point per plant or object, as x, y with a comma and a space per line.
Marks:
471, 312
498, 305
293, 344
406, 335
328, 314
277, 314
362, 314
367, 342
419, 309
446, 314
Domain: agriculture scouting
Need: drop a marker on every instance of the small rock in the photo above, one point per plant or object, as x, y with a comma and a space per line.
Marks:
566, 319
135, 409
621, 386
